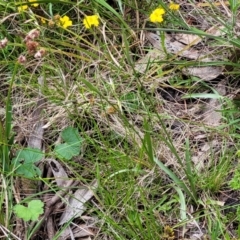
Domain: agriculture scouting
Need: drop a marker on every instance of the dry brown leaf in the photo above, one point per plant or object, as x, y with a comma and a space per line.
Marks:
204, 73
192, 39
212, 115
199, 159
35, 140
152, 55
188, 39
77, 232
36, 136
216, 31
173, 46
75, 207
59, 173
179, 49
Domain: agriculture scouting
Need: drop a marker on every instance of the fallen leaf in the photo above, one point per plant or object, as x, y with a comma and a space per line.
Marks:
78, 232
153, 55
76, 207
188, 39
179, 49
59, 173
36, 136
212, 115
204, 73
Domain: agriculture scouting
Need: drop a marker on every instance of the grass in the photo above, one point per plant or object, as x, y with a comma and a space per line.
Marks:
162, 170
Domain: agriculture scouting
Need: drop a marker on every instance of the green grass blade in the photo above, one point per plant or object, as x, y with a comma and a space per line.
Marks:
174, 178
107, 6
189, 169
147, 142
183, 207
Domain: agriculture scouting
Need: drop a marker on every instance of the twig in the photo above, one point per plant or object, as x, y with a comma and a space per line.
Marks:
7, 232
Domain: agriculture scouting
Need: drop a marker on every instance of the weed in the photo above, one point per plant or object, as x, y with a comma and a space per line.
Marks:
31, 212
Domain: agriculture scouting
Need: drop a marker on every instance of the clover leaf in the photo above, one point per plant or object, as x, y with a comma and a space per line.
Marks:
25, 162
31, 212
72, 144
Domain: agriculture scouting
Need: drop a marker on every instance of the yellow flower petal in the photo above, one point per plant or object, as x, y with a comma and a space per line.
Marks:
22, 8
34, 4
90, 21
157, 15
43, 20
174, 6
159, 11
65, 22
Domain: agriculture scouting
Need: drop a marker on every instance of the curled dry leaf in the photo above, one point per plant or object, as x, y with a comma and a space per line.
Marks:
75, 207
77, 231
203, 153
204, 73
36, 137
192, 39
212, 115
153, 55
175, 46
188, 38
59, 173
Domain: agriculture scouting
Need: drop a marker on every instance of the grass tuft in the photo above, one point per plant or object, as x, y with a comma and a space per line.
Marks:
149, 92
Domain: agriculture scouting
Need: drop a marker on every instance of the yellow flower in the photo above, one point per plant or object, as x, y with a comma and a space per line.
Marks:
22, 8
90, 21
34, 4
65, 22
174, 6
157, 15
43, 20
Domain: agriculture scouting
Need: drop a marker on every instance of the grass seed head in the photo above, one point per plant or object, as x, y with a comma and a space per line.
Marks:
3, 43
174, 6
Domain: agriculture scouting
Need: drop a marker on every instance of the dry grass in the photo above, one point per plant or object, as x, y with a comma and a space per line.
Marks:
128, 118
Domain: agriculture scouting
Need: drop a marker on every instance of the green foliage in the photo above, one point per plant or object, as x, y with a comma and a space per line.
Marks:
31, 212
130, 101
238, 213
6, 139
215, 174
189, 171
235, 181
72, 144
25, 162
122, 148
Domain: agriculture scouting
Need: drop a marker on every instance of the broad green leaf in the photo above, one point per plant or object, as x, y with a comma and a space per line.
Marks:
22, 212
72, 144
36, 209
71, 136
32, 212
66, 151
25, 161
